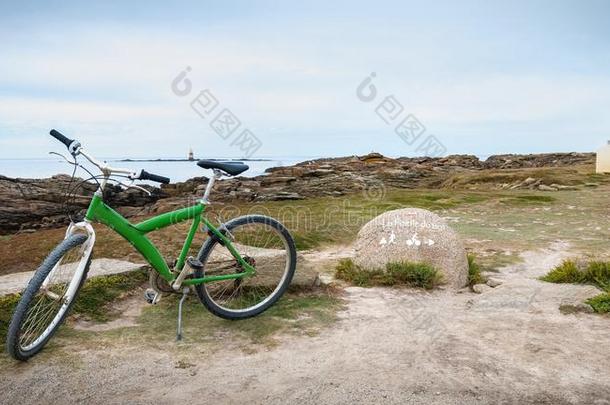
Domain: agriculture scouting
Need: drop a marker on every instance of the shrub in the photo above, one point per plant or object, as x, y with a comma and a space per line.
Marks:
595, 273
420, 275
598, 273
474, 271
600, 303
566, 272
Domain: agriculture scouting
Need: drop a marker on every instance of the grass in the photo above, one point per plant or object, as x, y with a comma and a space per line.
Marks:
570, 271
474, 271
419, 275
528, 200
485, 222
311, 240
100, 291
492, 260
525, 200
594, 273
301, 310
313, 223
7, 307
317, 222
600, 303
537, 198
568, 176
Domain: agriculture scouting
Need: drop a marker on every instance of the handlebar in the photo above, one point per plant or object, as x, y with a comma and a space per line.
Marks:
144, 175
61, 138
74, 147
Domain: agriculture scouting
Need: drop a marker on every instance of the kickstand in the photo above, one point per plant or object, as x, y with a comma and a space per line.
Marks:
185, 292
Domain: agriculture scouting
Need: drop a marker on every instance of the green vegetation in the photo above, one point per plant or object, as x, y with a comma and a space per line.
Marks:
474, 271
420, 275
313, 223
99, 291
310, 240
318, 221
570, 271
568, 176
595, 273
7, 307
537, 198
525, 200
91, 302
301, 311
600, 303
566, 272
493, 260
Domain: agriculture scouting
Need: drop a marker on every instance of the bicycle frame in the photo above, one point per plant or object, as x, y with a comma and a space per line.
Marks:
98, 211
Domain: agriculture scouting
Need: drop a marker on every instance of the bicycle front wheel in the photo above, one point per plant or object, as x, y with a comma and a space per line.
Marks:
264, 244
48, 297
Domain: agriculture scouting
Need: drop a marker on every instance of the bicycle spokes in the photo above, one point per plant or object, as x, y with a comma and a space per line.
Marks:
263, 248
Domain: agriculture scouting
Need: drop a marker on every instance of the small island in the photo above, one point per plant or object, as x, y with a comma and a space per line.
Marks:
191, 158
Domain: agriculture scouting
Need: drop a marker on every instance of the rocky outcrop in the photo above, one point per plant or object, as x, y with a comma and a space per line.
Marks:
34, 203
538, 160
28, 203
340, 176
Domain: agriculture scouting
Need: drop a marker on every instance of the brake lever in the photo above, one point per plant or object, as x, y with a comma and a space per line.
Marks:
131, 185
74, 163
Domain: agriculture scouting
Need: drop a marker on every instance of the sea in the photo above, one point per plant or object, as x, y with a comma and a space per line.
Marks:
177, 170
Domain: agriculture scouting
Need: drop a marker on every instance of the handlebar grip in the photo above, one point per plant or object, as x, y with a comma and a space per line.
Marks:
144, 175
61, 138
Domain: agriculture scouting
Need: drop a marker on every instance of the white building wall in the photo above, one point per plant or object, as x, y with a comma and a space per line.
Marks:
603, 159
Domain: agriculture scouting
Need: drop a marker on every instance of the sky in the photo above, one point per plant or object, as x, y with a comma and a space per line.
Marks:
482, 77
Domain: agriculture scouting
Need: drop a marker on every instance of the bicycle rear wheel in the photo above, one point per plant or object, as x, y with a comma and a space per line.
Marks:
48, 297
262, 242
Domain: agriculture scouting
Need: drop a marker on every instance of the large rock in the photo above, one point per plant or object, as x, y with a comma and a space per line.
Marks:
415, 235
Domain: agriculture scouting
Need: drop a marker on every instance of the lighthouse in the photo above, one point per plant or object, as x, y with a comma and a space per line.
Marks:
190, 155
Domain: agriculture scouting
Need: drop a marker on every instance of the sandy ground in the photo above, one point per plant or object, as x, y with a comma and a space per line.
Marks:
508, 345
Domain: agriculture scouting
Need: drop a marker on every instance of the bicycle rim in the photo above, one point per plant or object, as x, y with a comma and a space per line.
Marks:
51, 302
263, 246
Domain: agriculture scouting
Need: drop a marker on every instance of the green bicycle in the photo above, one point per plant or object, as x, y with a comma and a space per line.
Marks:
244, 266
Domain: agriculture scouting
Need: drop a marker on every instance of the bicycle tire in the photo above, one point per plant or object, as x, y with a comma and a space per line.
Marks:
207, 248
19, 316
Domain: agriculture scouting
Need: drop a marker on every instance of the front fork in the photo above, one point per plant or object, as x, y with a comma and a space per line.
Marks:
82, 265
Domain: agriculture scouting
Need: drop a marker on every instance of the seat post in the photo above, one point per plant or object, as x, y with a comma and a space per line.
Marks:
208, 189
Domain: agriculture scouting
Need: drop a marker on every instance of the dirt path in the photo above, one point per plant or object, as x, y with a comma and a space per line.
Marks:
508, 345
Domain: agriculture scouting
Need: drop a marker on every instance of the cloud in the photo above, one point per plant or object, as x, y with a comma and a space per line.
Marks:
292, 78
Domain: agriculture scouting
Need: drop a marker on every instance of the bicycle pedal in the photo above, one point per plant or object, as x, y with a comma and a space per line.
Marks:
151, 296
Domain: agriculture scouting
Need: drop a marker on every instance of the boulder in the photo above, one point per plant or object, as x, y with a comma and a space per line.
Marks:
415, 235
